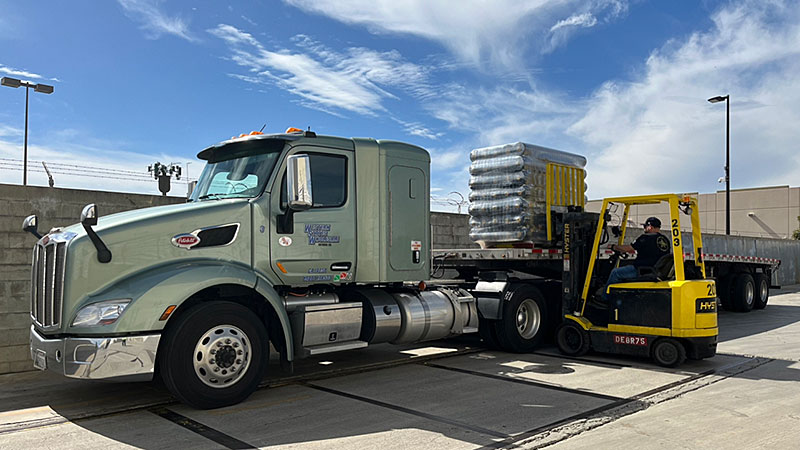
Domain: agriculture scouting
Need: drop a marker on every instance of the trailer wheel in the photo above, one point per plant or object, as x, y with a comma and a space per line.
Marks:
524, 320
572, 340
762, 290
668, 352
742, 292
214, 355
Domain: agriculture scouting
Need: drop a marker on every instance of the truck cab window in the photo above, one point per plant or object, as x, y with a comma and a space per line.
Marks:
328, 181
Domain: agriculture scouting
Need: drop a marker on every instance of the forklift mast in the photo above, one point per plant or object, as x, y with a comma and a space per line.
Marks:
579, 230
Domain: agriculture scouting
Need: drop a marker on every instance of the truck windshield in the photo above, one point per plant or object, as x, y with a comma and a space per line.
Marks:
241, 177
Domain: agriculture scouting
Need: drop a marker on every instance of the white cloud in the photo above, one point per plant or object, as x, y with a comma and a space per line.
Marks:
658, 133
19, 73
477, 31
585, 20
356, 80
154, 21
9, 131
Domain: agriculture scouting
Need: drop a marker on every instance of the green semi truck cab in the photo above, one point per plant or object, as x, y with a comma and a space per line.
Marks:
313, 243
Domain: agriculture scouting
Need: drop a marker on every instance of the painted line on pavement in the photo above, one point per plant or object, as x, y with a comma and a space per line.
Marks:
207, 432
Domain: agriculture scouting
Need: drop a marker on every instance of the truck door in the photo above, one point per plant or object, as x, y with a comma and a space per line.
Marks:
321, 246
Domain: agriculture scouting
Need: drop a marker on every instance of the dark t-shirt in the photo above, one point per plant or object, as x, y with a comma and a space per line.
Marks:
649, 248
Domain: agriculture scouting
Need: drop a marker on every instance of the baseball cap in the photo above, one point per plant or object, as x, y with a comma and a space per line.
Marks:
653, 222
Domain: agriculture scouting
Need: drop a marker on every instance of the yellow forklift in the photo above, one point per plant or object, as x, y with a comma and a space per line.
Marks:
668, 312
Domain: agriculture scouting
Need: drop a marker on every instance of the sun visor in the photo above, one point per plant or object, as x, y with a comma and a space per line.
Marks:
248, 145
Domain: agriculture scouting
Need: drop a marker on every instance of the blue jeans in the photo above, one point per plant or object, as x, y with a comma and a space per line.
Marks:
618, 275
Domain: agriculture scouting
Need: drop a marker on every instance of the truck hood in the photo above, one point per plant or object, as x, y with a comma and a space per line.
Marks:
143, 240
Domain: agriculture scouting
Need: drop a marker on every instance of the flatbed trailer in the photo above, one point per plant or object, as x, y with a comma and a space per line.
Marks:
743, 282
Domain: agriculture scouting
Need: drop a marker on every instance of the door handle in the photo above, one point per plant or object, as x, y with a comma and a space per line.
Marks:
341, 266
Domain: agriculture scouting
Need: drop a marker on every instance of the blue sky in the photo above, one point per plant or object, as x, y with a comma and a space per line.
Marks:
622, 82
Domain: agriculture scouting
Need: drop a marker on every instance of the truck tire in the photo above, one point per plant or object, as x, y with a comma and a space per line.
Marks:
762, 291
214, 355
742, 292
668, 352
572, 340
524, 320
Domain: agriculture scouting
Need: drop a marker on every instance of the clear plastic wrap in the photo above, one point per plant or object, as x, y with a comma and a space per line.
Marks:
508, 185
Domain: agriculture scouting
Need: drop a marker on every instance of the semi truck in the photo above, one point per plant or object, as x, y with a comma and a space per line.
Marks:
310, 244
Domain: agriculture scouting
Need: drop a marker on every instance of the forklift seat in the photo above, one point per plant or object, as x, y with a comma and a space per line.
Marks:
662, 270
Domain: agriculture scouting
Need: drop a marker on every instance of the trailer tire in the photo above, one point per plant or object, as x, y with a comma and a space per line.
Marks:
668, 352
572, 340
524, 320
742, 292
207, 341
762, 290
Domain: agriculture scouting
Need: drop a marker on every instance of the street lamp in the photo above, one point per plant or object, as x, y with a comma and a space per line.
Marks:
41, 88
727, 100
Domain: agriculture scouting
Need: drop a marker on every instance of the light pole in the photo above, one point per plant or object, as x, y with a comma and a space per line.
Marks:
727, 100
44, 89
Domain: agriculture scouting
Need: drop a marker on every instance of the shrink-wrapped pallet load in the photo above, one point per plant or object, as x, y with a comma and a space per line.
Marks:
508, 192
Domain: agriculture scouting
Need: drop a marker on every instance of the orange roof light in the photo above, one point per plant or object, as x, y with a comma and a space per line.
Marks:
293, 130
252, 133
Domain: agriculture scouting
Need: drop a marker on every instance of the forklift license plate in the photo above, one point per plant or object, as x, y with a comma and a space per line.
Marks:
630, 340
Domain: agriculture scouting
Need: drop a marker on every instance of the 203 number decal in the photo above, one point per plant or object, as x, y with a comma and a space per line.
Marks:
676, 233
712, 289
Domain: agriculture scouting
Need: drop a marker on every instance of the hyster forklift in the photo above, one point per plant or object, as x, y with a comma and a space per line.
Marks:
668, 312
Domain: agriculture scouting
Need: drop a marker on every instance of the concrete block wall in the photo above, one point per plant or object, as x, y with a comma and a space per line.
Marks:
55, 207
450, 230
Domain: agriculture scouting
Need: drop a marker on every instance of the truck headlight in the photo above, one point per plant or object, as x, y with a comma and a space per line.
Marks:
100, 313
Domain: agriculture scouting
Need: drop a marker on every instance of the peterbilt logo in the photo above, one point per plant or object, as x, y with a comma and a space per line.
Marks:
186, 241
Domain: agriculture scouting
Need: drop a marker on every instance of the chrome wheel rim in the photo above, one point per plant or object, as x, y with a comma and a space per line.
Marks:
222, 356
528, 318
749, 293
764, 288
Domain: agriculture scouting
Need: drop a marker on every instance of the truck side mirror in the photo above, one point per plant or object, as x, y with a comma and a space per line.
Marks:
298, 191
298, 183
88, 220
31, 225
89, 215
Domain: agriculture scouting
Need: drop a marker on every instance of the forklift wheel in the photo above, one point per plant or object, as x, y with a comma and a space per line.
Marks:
668, 352
572, 340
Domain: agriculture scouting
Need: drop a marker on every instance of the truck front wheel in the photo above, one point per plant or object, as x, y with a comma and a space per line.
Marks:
214, 355
524, 320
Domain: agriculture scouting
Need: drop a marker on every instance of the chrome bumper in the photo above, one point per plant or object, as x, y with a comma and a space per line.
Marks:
117, 359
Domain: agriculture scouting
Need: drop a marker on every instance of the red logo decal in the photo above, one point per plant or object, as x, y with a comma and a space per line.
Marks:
185, 240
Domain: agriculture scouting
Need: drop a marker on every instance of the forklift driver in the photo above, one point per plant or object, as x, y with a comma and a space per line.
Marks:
649, 247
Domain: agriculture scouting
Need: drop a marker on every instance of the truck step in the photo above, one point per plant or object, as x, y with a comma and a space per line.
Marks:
335, 347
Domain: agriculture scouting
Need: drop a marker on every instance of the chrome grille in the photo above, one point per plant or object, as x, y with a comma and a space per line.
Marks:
47, 283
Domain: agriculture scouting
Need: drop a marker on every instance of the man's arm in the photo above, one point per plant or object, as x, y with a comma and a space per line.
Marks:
623, 248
